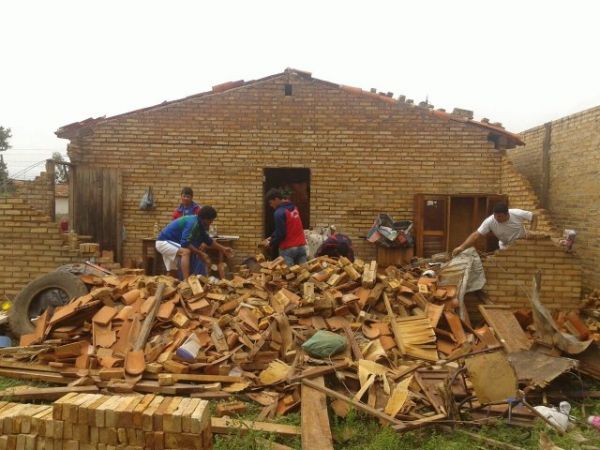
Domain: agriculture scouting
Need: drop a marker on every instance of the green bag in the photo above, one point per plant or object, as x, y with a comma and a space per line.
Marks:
324, 344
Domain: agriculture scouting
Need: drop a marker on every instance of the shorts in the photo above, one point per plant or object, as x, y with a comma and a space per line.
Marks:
168, 250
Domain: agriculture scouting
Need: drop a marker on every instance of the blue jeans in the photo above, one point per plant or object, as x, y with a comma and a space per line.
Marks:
293, 255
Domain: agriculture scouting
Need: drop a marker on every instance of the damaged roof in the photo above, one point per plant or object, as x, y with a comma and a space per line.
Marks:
497, 134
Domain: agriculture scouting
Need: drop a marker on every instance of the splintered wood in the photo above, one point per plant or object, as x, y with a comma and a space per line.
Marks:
94, 421
211, 339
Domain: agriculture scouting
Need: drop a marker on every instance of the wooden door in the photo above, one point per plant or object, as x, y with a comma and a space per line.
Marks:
431, 223
296, 183
96, 206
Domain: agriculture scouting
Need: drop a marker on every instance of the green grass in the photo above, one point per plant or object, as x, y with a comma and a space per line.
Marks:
359, 432
6, 383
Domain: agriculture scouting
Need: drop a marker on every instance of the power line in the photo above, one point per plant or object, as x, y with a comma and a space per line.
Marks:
38, 149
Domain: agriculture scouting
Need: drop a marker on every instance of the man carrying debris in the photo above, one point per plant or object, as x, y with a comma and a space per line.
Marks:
506, 224
187, 207
187, 238
288, 236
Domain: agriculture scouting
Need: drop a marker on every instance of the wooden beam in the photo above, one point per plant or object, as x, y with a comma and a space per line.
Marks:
48, 393
222, 425
48, 377
320, 371
316, 432
203, 378
394, 325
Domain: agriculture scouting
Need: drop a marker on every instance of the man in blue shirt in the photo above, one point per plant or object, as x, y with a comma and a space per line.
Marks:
186, 238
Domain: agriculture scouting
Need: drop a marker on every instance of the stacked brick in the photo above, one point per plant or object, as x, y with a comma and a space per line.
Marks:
509, 275
573, 182
37, 193
94, 421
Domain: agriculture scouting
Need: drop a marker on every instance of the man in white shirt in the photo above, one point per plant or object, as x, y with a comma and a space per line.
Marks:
506, 224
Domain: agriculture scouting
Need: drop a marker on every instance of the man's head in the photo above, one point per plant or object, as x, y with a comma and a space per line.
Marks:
274, 197
187, 194
207, 215
501, 212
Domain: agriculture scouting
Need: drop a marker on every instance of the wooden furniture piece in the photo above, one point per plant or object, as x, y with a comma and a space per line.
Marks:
392, 256
443, 222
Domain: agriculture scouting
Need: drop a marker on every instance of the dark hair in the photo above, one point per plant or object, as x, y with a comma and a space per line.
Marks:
500, 208
273, 194
187, 191
208, 213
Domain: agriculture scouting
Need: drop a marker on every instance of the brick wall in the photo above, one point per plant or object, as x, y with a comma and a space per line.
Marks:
36, 192
528, 158
366, 155
521, 195
30, 245
573, 180
510, 272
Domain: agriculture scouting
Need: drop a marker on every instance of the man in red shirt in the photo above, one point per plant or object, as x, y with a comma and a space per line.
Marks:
288, 236
187, 206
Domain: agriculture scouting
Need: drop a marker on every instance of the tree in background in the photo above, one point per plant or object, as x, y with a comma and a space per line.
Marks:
61, 172
5, 182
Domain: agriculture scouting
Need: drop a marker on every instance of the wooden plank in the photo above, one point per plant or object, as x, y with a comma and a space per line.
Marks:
36, 375
506, 327
48, 393
316, 432
456, 327
199, 378
222, 425
395, 330
353, 344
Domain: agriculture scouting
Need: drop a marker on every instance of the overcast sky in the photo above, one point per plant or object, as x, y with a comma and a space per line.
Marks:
521, 63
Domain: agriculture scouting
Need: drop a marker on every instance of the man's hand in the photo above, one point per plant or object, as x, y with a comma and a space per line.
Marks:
266, 242
228, 251
457, 250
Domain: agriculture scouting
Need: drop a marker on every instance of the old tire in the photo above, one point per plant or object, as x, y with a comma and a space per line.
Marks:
69, 285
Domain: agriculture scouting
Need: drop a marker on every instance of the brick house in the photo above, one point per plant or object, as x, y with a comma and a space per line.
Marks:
345, 154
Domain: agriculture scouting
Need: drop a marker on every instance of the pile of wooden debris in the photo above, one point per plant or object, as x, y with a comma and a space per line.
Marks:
391, 343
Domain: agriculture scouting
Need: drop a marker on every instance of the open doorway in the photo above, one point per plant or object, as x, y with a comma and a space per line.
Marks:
294, 183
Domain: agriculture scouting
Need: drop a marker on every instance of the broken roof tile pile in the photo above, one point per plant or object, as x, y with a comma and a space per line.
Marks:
389, 343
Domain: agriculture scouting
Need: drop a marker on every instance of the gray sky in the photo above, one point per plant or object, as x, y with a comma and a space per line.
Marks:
521, 63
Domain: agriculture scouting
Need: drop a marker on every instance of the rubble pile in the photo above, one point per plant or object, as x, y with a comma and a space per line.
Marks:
390, 343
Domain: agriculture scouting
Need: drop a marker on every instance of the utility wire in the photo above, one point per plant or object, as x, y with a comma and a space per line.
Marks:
20, 174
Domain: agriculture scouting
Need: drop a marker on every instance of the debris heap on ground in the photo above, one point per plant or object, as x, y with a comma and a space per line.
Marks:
389, 343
